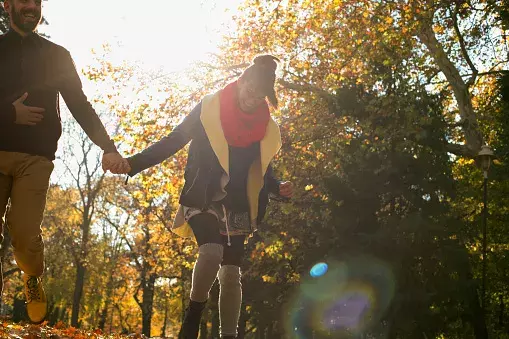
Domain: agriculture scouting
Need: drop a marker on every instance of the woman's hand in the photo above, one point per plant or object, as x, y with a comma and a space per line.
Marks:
286, 189
114, 163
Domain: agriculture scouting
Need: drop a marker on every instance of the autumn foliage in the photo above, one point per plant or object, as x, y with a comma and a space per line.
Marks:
383, 108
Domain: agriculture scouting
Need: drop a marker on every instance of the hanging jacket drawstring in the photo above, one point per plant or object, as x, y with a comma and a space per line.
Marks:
225, 220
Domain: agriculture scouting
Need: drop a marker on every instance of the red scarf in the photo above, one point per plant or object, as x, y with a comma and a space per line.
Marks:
241, 129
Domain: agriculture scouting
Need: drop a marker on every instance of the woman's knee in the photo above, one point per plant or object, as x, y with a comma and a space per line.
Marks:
25, 242
229, 275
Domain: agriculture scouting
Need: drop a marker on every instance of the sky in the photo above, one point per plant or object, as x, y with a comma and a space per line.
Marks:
154, 34
166, 33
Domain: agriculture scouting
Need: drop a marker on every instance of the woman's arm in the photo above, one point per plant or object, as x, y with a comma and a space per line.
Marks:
271, 181
168, 146
283, 190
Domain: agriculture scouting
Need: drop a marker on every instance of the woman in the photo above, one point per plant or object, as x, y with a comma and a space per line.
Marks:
228, 179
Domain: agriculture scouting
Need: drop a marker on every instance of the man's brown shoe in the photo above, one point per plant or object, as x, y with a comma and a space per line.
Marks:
35, 298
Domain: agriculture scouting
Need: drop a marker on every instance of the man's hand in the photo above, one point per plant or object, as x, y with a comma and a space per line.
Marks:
26, 115
286, 189
114, 163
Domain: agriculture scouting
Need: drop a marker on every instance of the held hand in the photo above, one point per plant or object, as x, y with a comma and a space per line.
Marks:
26, 115
286, 189
115, 163
122, 168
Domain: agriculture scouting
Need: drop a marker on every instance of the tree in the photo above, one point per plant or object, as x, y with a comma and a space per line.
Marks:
83, 165
60, 233
383, 107
151, 197
4, 20
361, 61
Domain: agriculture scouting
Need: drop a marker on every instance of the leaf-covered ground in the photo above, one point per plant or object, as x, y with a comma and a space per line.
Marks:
60, 330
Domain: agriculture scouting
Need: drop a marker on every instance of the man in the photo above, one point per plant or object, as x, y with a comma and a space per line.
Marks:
33, 71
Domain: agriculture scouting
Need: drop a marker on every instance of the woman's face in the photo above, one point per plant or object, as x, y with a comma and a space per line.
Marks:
249, 96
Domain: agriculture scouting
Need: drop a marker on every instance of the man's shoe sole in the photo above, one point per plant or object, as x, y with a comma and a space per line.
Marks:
40, 321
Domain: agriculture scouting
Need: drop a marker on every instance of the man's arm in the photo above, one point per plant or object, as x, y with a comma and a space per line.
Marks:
167, 146
70, 87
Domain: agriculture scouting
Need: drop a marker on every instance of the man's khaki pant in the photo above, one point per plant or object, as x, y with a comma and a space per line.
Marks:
24, 179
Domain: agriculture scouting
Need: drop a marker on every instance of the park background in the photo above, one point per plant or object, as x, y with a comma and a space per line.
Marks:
385, 106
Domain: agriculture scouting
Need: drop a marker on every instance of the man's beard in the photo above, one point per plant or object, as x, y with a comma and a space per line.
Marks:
27, 26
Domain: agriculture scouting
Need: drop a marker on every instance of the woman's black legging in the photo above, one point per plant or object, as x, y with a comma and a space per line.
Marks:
217, 259
206, 230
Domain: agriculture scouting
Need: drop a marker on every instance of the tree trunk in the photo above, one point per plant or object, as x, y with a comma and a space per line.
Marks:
147, 304
214, 311
4, 250
472, 133
122, 320
18, 309
53, 313
473, 310
242, 322
270, 330
203, 325
103, 316
107, 302
477, 319
78, 292
501, 314
260, 331
81, 258
165, 321
110, 326
183, 274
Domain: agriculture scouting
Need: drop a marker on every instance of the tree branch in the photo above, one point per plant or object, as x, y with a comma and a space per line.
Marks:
472, 133
170, 276
463, 47
494, 72
11, 271
122, 320
499, 72
136, 261
307, 88
135, 296
229, 68
460, 150
249, 330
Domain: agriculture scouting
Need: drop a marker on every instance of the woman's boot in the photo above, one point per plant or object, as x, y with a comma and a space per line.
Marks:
191, 324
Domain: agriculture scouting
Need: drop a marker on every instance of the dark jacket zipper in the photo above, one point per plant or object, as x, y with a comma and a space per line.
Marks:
205, 196
194, 181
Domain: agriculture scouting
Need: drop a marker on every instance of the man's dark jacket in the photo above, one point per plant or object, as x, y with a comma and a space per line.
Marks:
34, 65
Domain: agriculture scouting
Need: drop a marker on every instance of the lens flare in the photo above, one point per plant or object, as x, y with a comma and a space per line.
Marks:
340, 297
347, 310
319, 270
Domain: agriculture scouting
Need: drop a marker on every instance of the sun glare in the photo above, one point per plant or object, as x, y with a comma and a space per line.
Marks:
157, 33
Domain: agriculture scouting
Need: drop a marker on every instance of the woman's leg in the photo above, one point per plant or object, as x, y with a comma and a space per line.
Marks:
230, 295
206, 230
